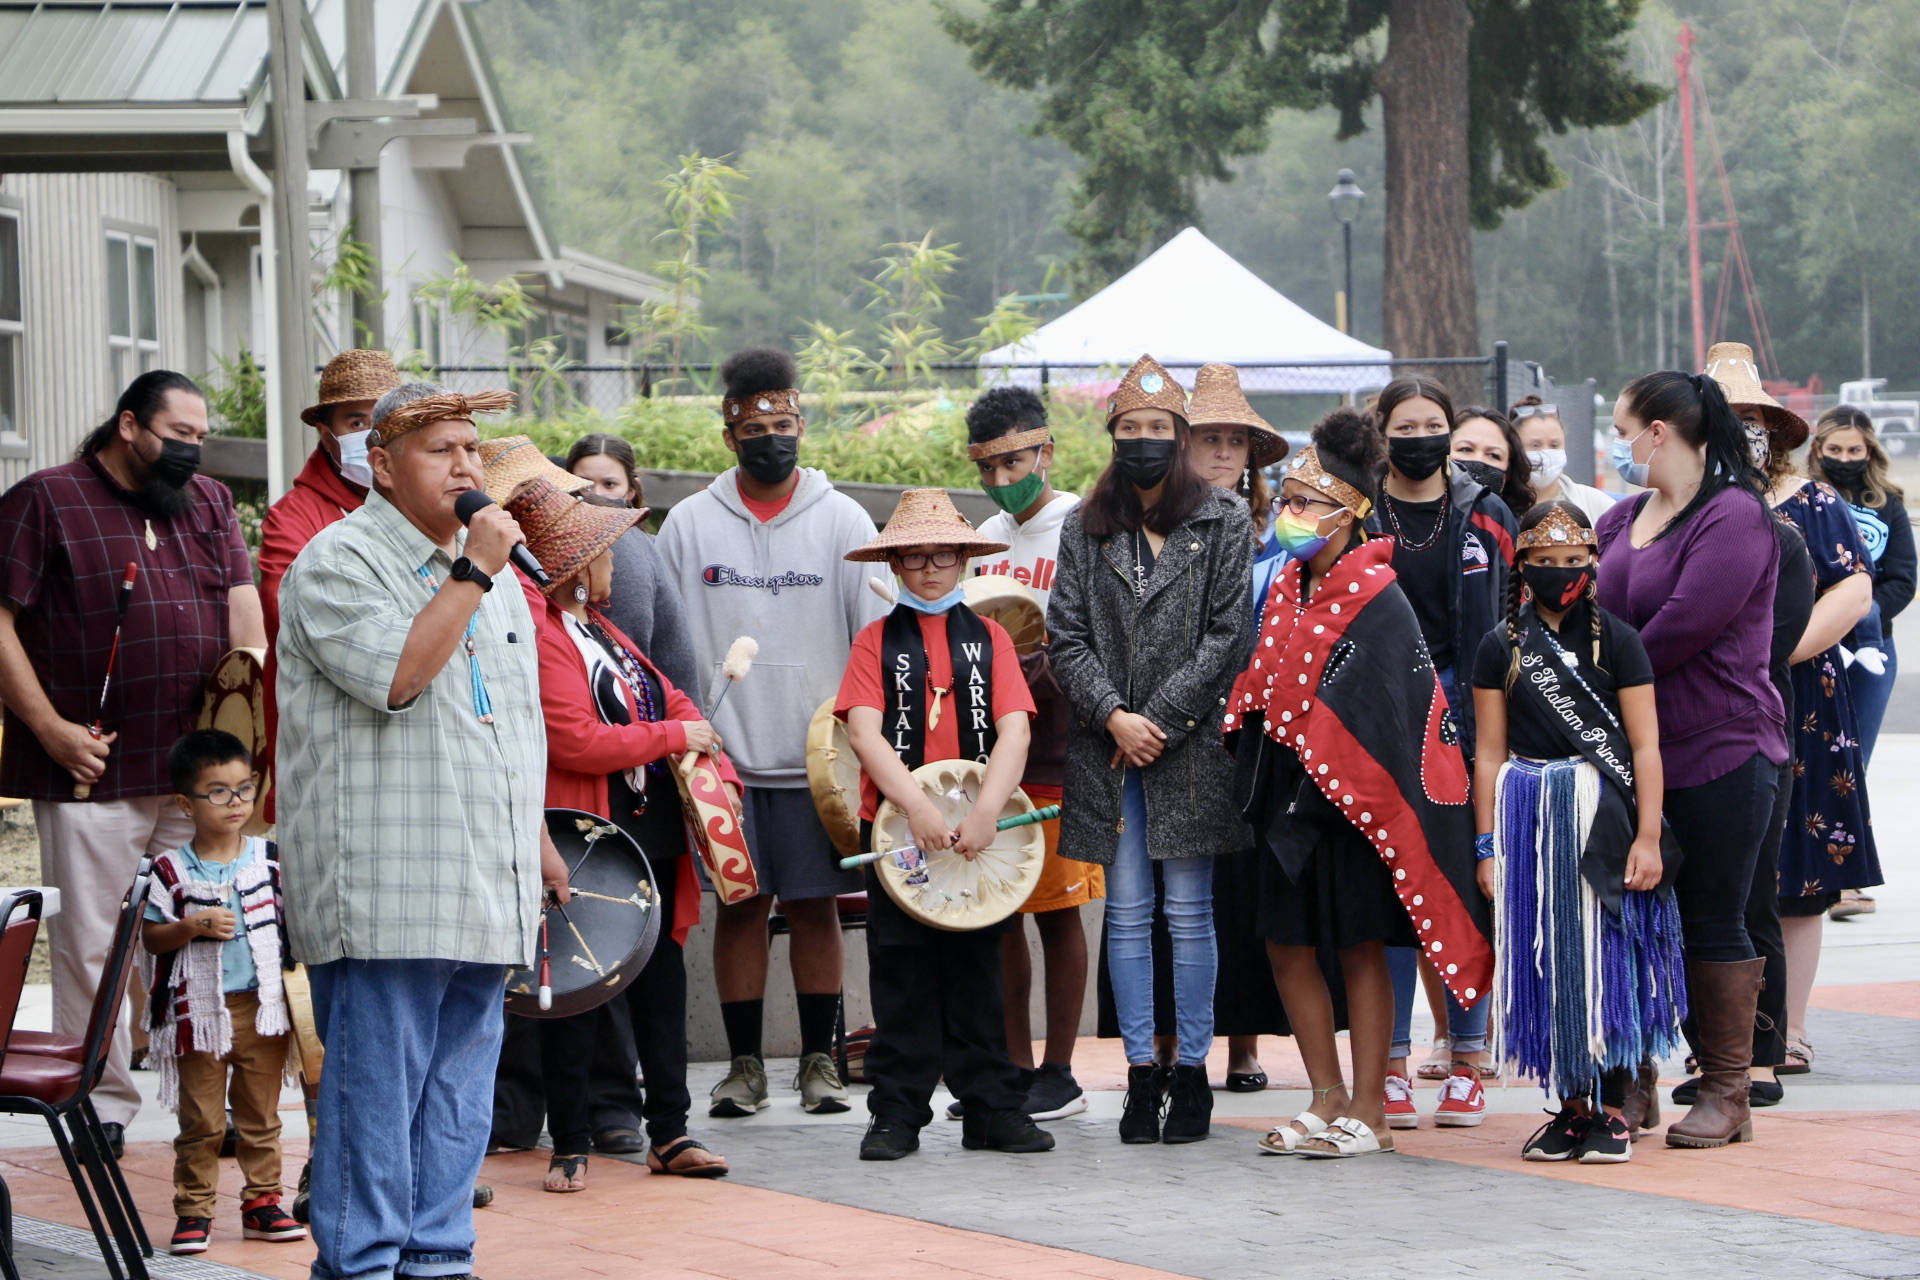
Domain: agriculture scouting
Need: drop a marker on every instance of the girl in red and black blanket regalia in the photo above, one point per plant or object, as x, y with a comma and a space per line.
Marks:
935, 681
1353, 780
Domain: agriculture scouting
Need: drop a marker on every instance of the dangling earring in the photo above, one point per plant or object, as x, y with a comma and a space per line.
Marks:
1246, 479
580, 592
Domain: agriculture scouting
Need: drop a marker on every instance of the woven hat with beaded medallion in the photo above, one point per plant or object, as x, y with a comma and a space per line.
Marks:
1219, 402
1731, 365
565, 534
926, 518
352, 376
1147, 386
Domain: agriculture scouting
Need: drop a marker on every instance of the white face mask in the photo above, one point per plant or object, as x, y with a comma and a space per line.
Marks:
353, 458
1548, 464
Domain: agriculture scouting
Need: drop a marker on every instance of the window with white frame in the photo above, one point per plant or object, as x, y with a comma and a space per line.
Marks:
12, 324
133, 308
426, 331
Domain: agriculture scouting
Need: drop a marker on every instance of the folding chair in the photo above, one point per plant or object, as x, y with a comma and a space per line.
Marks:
21, 912
54, 1080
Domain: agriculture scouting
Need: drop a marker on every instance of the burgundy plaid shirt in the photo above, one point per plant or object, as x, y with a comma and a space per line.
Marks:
68, 534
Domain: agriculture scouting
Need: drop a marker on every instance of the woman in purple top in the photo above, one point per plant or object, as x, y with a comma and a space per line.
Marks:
1693, 565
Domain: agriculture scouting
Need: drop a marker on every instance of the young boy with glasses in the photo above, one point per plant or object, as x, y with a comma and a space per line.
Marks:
218, 1013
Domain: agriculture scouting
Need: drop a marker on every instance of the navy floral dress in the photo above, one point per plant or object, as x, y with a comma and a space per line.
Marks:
1829, 838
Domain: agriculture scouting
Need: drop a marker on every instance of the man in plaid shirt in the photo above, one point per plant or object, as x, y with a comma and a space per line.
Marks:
131, 497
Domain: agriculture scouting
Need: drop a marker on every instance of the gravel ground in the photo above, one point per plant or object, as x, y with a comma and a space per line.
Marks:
20, 864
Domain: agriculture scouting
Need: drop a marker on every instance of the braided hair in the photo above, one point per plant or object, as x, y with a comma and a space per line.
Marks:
1516, 587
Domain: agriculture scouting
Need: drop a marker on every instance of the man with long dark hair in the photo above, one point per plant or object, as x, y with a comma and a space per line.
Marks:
131, 496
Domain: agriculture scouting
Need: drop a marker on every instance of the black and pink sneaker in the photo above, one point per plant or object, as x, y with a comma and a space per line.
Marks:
263, 1219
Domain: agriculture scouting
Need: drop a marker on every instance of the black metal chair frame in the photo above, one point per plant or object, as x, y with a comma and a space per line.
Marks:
32, 902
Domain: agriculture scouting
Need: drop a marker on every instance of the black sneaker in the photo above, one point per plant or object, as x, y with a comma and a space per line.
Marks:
1055, 1094
1559, 1138
190, 1235
889, 1141
956, 1110
1607, 1141
1010, 1131
303, 1196
1140, 1116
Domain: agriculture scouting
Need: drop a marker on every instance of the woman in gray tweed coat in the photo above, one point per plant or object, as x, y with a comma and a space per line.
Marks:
1148, 630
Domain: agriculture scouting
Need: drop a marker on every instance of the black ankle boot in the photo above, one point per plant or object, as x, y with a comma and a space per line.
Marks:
1190, 1109
1140, 1120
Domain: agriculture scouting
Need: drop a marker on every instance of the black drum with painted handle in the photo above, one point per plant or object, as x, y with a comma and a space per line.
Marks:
601, 940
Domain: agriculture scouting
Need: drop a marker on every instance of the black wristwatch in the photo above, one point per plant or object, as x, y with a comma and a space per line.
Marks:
464, 570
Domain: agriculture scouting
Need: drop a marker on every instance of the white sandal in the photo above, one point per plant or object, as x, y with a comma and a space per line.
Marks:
1344, 1138
1285, 1140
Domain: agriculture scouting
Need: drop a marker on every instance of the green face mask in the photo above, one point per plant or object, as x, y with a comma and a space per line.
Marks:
1018, 496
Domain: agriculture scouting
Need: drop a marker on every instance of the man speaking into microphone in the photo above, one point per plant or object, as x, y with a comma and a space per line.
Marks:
412, 760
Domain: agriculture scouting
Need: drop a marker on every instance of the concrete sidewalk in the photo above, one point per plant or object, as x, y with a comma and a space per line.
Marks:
1824, 1191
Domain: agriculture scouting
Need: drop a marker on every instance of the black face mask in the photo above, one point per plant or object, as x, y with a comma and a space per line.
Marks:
177, 464
770, 458
1417, 457
1557, 588
1143, 461
1849, 475
1485, 472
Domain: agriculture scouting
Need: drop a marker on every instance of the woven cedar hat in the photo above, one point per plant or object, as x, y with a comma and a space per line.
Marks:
511, 461
926, 517
1731, 365
1218, 402
1147, 386
565, 534
349, 376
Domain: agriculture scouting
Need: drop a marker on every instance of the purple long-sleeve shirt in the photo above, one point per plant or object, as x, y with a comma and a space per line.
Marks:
1702, 598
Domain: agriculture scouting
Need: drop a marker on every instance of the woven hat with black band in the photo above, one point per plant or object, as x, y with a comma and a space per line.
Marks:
1731, 365
1219, 402
1147, 386
511, 461
565, 534
352, 376
926, 518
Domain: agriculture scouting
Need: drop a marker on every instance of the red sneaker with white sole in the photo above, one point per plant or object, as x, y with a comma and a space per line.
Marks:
1401, 1112
1462, 1102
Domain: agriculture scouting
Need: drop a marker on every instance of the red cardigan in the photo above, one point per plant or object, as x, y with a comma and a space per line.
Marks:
318, 498
582, 750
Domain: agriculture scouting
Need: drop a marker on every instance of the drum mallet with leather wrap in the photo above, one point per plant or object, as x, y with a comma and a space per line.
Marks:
1047, 814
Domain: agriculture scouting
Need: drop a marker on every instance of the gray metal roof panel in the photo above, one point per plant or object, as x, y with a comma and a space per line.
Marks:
184, 56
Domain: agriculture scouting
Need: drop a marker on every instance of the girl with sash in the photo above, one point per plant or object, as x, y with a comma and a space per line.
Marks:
1348, 767
935, 681
1588, 984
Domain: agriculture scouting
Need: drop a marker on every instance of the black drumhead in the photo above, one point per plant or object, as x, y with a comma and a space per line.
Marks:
602, 938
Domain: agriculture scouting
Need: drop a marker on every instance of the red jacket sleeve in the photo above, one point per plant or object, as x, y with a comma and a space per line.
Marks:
290, 525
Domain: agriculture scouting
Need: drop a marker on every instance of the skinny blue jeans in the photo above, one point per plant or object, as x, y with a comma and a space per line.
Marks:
1189, 912
406, 1103
1871, 693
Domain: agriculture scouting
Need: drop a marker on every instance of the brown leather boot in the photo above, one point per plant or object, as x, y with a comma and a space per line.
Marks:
1723, 996
1641, 1109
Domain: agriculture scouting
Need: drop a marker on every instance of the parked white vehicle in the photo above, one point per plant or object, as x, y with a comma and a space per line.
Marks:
1896, 421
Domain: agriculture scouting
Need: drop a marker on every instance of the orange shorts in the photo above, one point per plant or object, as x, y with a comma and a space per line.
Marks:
1064, 882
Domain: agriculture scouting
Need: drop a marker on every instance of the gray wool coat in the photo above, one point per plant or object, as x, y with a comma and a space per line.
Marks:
1172, 656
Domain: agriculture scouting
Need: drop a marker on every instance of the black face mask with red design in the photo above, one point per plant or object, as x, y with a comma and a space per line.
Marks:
1556, 587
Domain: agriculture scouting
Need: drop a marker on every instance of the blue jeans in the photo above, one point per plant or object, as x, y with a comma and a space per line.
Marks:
1189, 911
406, 1102
1871, 694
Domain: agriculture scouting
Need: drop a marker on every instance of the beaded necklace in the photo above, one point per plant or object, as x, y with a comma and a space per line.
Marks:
1400, 539
482, 704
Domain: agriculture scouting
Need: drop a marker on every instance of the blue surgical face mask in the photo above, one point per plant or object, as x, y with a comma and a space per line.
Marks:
941, 605
353, 458
1621, 455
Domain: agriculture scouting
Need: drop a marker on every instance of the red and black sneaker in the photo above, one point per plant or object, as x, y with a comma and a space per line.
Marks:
190, 1235
263, 1219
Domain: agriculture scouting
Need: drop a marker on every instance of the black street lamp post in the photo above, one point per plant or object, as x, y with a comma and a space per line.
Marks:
1345, 199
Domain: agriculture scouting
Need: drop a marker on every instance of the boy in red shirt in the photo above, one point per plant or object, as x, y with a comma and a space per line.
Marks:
934, 681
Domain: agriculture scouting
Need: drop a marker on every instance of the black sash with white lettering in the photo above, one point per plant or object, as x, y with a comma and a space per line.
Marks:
1593, 730
903, 673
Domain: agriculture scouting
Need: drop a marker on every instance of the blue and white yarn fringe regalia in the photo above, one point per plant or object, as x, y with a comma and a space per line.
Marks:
1578, 989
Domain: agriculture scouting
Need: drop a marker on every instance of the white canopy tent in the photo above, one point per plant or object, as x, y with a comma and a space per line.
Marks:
1189, 303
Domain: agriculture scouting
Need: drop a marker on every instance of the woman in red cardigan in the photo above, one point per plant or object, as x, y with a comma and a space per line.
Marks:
612, 722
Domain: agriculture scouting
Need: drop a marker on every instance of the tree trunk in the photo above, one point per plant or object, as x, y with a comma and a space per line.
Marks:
1429, 298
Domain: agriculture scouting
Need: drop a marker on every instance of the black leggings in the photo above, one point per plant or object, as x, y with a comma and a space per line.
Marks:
1763, 930
1721, 826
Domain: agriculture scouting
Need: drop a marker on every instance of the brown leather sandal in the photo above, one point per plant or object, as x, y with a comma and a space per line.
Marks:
684, 1159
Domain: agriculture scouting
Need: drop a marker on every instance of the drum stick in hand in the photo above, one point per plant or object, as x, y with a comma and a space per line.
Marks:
1047, 814
81, 790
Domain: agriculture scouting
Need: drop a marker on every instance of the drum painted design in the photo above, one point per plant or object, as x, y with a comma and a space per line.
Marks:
944, 889
1009, 603
717, 835
598, 943
235, 702
833, 776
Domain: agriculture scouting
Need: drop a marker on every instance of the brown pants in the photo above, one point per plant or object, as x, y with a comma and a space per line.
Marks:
255, 1064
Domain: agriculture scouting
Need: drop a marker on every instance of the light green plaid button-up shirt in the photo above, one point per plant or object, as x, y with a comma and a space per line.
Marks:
408, 832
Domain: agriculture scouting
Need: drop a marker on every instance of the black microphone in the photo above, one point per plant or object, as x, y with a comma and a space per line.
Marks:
470, 504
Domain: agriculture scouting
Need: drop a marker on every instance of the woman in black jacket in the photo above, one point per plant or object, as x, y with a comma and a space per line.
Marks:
1453, 541
1148, 626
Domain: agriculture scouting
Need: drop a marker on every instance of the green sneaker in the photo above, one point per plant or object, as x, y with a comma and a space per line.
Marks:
819, 1084
743, 1092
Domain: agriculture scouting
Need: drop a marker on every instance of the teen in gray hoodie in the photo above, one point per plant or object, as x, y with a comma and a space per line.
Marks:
760, 552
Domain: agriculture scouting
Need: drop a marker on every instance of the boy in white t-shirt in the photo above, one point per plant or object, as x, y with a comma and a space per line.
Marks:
1009, 441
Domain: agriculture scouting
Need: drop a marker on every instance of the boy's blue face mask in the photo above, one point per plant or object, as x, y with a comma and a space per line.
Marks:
941, 605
